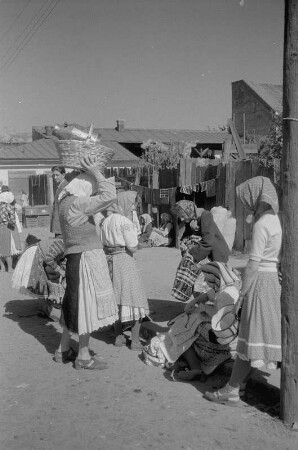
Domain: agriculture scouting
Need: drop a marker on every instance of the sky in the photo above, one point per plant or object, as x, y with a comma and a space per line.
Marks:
154, 63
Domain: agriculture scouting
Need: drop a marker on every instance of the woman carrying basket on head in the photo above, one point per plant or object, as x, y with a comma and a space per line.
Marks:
259, 339
89, 302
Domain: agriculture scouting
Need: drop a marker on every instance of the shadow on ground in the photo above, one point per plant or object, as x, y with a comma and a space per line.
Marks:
26, 313
160, 312
259, 396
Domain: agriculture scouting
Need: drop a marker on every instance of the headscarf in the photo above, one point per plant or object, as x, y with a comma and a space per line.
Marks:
185, 209
147, 219
6, 197
81, 186
125, 202
256, 190
166, 217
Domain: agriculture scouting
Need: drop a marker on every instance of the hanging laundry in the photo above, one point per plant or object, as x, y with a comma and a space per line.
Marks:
211, 190
203, 186
172, 195
186, 190
155, 197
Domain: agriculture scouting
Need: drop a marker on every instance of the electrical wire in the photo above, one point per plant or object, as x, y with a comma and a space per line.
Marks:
36, 24
14, 21
35, 19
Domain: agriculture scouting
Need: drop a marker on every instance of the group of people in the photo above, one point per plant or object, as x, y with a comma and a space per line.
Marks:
209, 285
151, 236
102, 283
103, 287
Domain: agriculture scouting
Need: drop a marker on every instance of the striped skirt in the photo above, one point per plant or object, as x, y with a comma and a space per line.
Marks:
259, 338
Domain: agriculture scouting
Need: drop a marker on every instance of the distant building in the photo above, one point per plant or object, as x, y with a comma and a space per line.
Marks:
15, 138
253, 106
125, 139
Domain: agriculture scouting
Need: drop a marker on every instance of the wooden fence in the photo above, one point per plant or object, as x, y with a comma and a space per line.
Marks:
227, 177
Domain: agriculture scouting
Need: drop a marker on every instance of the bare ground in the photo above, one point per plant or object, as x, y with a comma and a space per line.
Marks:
129, 406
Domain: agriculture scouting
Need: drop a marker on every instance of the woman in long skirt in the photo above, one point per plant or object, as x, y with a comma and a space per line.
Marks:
89, 302
120, 240
259, 340
10, 243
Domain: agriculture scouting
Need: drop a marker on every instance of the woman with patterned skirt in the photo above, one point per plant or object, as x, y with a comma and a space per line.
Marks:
89, 302
10, 243
259, 339
120, 240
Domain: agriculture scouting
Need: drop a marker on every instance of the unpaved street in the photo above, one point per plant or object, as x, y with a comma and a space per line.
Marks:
129, 406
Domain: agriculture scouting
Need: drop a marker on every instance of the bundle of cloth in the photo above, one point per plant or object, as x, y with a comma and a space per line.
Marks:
40, 271
193, 330
201, 242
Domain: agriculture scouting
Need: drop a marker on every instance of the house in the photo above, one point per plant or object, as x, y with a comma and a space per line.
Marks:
131, 139
253, 106
20, 162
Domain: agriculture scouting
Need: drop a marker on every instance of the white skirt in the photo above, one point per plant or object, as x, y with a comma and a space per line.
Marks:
97, 302
21, 275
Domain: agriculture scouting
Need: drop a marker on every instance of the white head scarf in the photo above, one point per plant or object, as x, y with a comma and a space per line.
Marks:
81, 186
6, 197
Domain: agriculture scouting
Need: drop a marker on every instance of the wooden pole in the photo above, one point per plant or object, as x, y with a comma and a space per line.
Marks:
289, 184
244, 129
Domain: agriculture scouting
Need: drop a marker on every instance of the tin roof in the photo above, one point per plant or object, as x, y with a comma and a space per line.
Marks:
136, 135
45, 149
139, 135
269, 93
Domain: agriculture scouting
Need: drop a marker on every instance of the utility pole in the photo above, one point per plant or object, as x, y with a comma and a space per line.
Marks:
289, 184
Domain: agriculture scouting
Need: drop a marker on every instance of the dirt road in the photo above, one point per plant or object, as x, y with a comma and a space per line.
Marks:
47, 406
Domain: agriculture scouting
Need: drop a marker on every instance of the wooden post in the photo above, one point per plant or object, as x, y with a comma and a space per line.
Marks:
227, 149
289, 184
155, 185
244, 130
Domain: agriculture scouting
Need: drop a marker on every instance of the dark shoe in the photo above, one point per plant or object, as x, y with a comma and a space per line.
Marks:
189, 375
64, 357
90, 364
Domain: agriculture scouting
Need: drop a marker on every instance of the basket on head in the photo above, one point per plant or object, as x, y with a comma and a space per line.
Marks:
225, 325
71, 152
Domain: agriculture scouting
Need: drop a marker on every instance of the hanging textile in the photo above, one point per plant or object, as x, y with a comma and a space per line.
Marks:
211, 189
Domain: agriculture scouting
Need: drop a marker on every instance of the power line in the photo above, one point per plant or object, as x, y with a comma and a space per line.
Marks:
20, 36
14, 21
26, 39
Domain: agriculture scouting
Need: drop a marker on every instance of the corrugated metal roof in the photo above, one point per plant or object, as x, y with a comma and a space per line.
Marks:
40, 149
45, 149
165, 136
138, 135
270, 93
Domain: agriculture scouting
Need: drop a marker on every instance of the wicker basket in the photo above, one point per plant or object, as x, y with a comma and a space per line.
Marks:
71, 153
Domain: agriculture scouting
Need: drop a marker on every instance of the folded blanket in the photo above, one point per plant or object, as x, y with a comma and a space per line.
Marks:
182, 334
